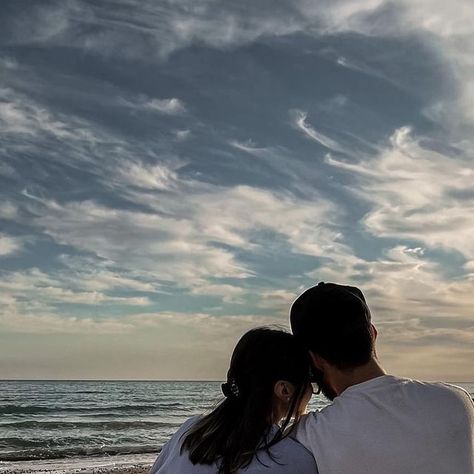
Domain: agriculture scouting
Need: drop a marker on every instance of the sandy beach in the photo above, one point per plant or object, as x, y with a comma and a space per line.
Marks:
139, 469
101, 470
125, 464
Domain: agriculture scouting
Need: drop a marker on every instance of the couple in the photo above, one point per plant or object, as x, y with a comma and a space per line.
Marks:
377, 423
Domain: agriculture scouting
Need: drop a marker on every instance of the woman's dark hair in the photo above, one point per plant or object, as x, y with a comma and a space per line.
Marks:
240, 426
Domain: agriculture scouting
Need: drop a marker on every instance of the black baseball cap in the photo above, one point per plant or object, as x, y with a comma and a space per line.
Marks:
333, 320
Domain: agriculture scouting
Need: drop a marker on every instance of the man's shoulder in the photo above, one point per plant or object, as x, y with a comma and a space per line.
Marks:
449, 393
388, 384
393, 391
438, 390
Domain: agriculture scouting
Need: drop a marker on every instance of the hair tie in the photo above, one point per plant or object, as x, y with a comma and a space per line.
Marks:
230, 389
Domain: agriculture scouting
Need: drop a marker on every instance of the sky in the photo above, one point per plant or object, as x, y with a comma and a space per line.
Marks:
173, 173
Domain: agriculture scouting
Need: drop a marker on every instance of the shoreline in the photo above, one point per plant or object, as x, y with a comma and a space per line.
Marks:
119, 464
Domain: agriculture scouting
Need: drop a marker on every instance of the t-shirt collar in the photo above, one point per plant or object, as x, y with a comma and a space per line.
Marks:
374, 382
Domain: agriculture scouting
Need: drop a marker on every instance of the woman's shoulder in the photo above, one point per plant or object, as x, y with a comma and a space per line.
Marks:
189, 422
181, 431
292, 448
287, 456
171, 451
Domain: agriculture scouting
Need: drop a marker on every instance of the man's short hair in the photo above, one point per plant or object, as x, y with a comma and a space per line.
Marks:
334, 322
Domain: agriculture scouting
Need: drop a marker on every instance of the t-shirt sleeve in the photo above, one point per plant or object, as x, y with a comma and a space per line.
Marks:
304, 431
305, 462
173, 446
161, 459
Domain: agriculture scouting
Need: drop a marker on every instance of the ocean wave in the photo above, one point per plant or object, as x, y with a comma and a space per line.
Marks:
98, 425
16, 409
62, 420
45, 453
38, 409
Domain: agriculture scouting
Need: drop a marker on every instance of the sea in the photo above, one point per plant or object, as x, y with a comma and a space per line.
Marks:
61, 423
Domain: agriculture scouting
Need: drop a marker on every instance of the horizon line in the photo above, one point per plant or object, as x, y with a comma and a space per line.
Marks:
111, 380
151, 380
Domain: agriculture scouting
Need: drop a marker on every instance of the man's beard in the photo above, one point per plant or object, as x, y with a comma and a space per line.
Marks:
325, 389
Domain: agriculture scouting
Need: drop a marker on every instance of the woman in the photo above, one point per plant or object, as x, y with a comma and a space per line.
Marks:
268, 385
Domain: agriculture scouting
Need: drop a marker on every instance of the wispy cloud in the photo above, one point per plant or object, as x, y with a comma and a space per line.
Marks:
147, 176
416, 193
249, 146
166, 106
20, 115
9, 245
299, 120
182, 135
38, 322
183, 231
43, 289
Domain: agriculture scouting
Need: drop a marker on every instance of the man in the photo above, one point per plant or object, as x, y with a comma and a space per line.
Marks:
377, 423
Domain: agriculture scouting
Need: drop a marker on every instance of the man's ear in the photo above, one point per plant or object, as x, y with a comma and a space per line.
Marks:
318, 361
283, 390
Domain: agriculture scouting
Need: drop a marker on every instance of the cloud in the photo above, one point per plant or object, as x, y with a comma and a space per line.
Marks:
278, 300
419, 313
298, 118
9, 245
223, 330
8, 63
170, 246
71, 142
147, 176
47, 323
45, 23
6, 170
182, 135
172, 106
192, 231
436, 17
89, 298
92, 275
35, 289
248, 146
447, 30
167, 106
157, 30
135, 206
410, 186
206, 327
228, 293
20, 115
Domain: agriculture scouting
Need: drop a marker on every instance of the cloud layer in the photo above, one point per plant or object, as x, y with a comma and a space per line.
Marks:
173, 174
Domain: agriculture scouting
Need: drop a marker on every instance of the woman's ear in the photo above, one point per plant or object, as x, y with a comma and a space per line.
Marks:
374, 332
283, 390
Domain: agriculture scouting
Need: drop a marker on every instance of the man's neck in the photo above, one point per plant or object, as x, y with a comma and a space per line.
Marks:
341, 380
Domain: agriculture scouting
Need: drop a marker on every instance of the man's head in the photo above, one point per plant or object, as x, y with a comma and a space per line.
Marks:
333, 322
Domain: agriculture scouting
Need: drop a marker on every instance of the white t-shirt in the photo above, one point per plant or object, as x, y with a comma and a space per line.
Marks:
292, 458
390, 425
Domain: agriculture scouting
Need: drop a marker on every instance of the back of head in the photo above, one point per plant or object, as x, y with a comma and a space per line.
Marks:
334, 322
264, 355
238, 427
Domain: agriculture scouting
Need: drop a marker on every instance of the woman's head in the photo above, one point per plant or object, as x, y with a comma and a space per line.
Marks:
268, 380
268, 370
